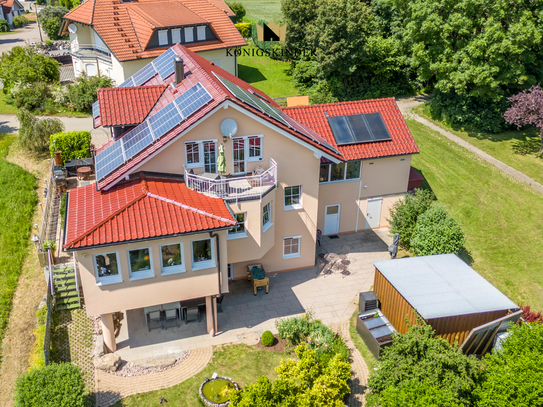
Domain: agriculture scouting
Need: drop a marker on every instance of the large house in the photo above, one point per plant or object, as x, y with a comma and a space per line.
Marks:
118, 38
10, 9
206, 174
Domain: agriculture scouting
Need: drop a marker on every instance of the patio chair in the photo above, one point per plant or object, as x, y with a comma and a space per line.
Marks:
170, 314
192, 313
154, 316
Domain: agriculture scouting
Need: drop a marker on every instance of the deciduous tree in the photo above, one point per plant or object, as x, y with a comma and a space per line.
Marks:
23, 64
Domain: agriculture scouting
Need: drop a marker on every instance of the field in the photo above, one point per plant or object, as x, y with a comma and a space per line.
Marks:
17, 202
516, 148
500, 217
266, 10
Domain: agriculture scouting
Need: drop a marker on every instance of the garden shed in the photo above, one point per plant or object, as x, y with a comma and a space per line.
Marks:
447, 293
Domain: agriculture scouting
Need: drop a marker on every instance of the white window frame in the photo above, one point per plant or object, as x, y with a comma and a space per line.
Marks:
140, 275
180, 268
161, 39
107, 279
201, 33
345, 179
189, 34
87, 70
296, 206
201, 157
176, 35
202, 265
238, 235
293, 255
248, 148
269, 223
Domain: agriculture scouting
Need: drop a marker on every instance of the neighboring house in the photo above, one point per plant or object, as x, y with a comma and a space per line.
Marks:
10, 9
162, 225
118, 38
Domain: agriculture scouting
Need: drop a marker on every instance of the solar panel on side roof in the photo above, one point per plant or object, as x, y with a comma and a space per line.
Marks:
192, 100
164, 120
164, 64
340, 130
95, 110
109, 160
128, 82
377, 127
143, 75
136, 140
359, 128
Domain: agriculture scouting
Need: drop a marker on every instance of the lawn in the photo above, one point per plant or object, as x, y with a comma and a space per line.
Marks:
500, 217
7, 108
244, 364
17, 202
516, 148
266, 10
266, 74
10, 32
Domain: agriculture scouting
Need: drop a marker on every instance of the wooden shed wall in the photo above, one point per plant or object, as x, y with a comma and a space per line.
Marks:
396, 309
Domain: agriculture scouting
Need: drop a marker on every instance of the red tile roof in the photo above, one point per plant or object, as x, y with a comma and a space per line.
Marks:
7, 5
131, 105
221, 5
140, 209
126, 28
402, 140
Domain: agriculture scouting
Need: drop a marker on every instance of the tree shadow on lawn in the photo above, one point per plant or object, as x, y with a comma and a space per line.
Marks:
250, 74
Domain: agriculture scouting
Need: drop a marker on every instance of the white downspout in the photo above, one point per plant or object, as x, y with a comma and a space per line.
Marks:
358, 199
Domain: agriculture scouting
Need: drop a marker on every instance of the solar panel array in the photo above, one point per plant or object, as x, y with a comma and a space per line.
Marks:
273, 112
143, 75
164, 65
359, 128
95, 110
152, 129
128, 82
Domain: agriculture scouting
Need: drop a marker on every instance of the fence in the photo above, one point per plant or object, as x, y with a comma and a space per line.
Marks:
48, 322
49, 194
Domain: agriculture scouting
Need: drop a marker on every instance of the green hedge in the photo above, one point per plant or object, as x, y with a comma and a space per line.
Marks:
37, 355
71, 144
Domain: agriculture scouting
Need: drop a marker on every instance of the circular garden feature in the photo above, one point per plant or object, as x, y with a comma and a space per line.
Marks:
216, 392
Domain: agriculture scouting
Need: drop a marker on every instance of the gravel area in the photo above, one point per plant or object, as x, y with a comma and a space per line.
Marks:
130, 369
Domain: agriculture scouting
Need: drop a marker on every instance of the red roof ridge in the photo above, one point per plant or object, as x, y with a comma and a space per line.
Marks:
136, 31
190, 208
348, 102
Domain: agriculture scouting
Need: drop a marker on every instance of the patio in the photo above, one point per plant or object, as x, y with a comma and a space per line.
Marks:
332, 299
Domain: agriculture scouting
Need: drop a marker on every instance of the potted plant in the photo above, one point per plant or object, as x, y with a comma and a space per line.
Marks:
50, 245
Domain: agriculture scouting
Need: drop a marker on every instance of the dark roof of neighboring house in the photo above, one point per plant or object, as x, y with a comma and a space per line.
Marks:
402, 141
127, 28
127, 106
144, 208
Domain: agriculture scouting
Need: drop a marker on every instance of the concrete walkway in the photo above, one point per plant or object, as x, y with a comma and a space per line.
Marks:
407, 105
111, 388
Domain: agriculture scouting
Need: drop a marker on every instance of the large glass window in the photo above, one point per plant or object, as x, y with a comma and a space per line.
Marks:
140, 263
193, 153
323, 176
210, 158
353, 170
339, 172
239, 230
172, 258
291, 246
255, 148
238, 146
202, 254
266, 215
293, 197
107, 268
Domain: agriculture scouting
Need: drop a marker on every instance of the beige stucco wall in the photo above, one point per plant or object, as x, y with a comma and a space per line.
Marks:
384, 177
228, 63
155, 290
131, 67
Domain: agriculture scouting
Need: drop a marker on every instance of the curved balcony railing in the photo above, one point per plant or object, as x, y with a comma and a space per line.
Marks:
234, 188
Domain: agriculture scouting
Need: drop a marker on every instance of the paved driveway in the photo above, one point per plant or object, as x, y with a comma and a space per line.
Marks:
332, 299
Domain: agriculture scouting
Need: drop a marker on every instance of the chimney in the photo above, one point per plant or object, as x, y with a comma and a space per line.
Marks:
179, 70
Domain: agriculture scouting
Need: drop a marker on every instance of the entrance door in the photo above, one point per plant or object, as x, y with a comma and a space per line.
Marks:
240, 163
373, 213
331, 219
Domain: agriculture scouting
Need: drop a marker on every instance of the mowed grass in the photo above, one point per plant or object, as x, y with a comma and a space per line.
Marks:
502, 219
516, 148
17, 202
270, 76
266, 10
244, 364
6, 108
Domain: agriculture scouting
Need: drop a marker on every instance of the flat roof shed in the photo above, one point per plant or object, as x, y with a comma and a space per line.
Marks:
447, 293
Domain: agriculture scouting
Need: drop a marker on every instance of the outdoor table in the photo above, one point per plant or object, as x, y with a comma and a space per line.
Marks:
174, 305
83, 172
256, 273
148, 310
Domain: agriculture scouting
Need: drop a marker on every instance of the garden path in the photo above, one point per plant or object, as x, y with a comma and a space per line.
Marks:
406, 106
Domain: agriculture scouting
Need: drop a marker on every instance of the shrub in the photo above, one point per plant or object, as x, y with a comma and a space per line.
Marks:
56, 385
34, 132
25, 65
72, 144
4, 26
33, 96
82, 94
51, 20
20, 21
531, 316
405, 212
244, 29
37, 355
238, 10
268, 339
437, 232
294, 329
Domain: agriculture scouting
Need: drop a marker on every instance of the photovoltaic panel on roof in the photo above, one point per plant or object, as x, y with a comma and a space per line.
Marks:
109, 160
340, 129
95, 110
143, 75
127, 83
164, 64
136, 140
358, 128
377, 127
164, 120
192, 100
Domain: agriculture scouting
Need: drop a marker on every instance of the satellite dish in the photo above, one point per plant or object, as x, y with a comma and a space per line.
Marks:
229, 127
72, 28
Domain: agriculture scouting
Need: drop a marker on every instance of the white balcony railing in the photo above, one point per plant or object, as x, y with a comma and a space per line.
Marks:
82, 49
234, 188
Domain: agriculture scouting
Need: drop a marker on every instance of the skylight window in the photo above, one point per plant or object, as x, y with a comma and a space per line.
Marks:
359, 128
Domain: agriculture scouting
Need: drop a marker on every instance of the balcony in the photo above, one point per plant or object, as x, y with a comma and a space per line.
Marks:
90, 50
233, 188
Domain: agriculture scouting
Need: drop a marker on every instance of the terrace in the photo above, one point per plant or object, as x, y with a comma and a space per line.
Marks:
234, 188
